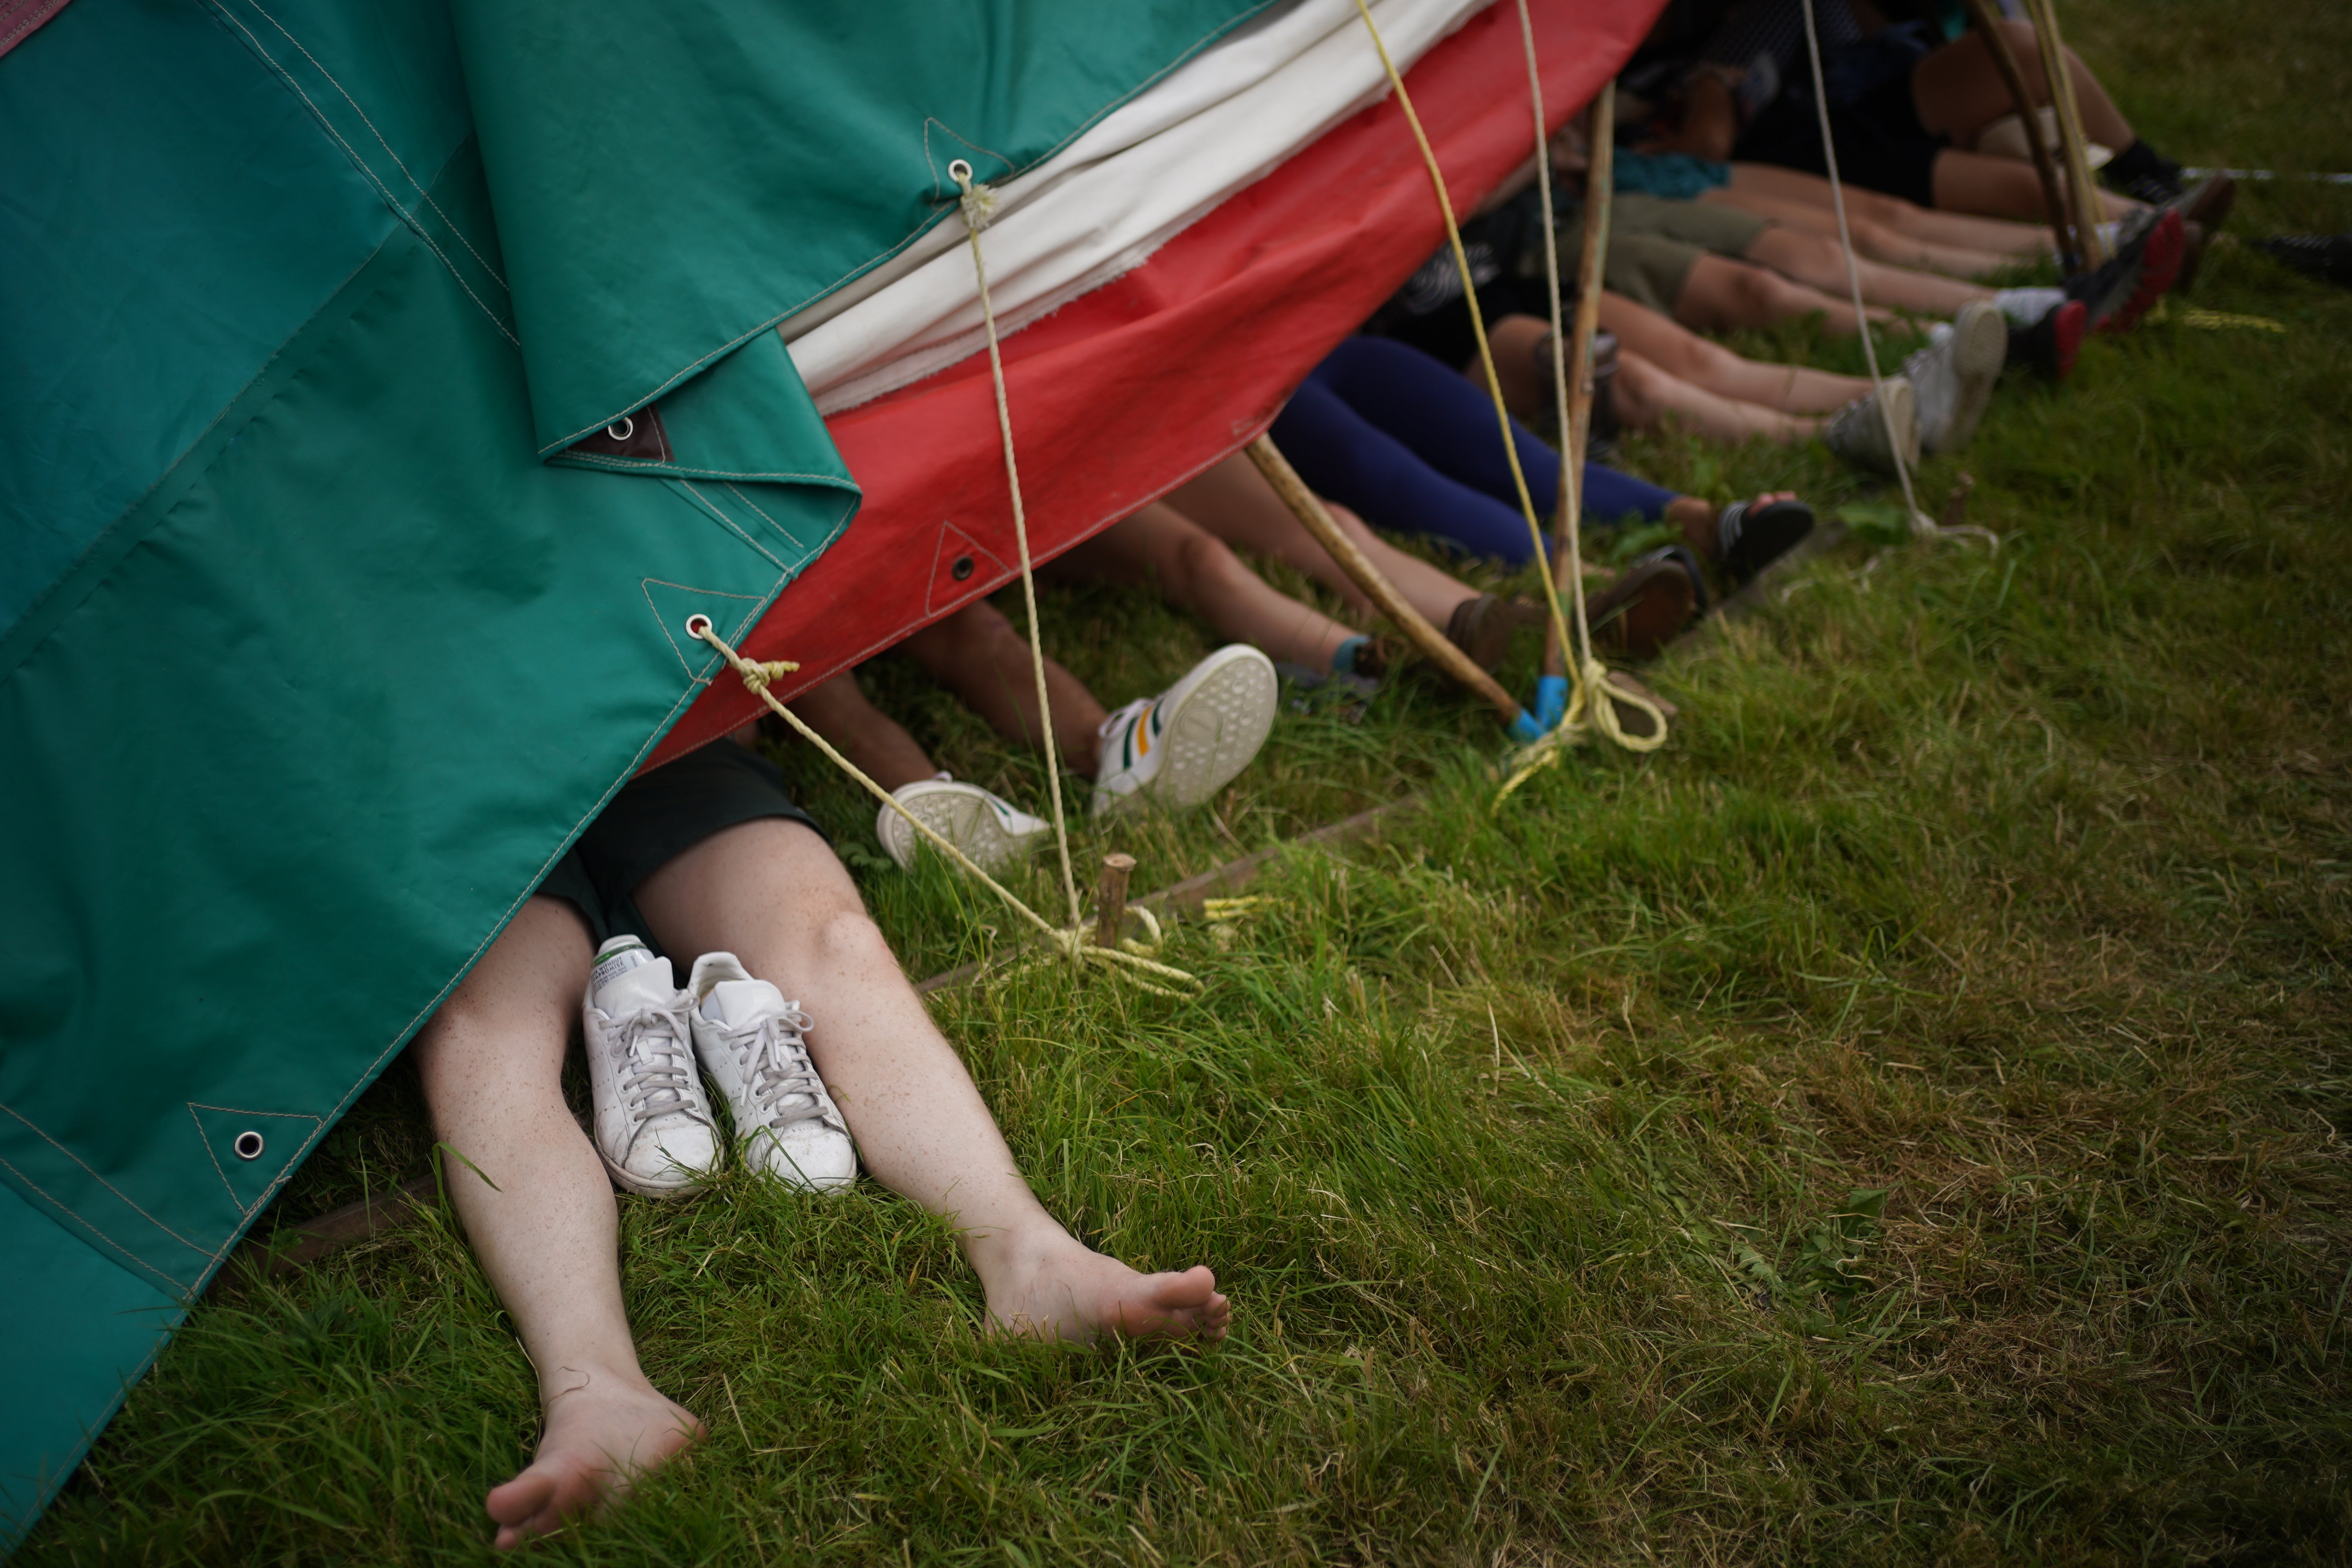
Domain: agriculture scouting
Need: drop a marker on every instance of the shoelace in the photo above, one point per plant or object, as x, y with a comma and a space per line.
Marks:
656, 1080
777, 1071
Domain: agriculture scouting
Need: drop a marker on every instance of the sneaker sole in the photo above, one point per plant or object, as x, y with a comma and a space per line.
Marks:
972, 826
630, 1182
1979, 347
1213, 733
2160, 265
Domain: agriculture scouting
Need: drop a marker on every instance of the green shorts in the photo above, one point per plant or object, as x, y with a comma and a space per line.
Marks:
1654, 243
654, 820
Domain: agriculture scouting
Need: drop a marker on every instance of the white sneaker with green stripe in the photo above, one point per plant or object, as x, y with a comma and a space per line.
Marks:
1177, 749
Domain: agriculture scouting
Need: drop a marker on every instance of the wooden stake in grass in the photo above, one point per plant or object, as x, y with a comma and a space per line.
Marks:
1110, 898
2070, 252
1434, 644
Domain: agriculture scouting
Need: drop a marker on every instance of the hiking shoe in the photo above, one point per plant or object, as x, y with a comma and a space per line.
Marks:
1177, 749
1481, 627
1954, 375
654, 1131
1652, 600
981, 824
2051, 343
755, 1046
1858, 432
1749, 537
2121, 289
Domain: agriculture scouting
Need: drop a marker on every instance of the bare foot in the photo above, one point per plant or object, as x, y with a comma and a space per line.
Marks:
601, 1437
1062, 1290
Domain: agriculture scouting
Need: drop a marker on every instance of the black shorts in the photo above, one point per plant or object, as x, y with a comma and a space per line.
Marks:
656, 818
1881, 145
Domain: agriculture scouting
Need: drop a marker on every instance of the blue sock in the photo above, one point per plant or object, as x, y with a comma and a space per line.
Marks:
1343, 658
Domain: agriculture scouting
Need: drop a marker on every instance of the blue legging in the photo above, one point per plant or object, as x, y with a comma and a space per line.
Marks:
1392, 434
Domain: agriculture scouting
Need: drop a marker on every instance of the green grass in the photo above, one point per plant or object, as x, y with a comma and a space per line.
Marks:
1538, 1148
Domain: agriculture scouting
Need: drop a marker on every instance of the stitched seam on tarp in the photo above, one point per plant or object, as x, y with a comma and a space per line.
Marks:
646, 585
771, 523
407, 218
1189, 52
66, 1209
246, 1210
387, 147
664, 466
732, 526
101, 1180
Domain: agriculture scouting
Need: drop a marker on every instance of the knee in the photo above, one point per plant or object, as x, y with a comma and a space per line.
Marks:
1199, 562
1753, 292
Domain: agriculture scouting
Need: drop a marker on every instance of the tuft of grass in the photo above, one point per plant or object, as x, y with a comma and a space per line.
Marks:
1897, 1123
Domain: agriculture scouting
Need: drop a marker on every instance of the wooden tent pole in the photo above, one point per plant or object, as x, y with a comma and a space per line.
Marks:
1433, 643
2071, 255
2084, 193
1600, 185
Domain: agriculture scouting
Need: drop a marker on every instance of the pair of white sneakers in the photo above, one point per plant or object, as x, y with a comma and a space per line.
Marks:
1173, 750
655, 1128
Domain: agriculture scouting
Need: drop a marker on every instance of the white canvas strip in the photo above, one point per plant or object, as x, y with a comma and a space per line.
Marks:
1121, 191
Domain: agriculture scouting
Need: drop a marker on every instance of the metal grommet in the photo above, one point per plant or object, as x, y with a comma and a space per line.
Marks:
248, 1144
961, 569
621, 429
960, 170
695, 625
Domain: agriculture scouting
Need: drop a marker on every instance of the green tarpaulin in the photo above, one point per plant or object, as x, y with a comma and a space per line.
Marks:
319, 636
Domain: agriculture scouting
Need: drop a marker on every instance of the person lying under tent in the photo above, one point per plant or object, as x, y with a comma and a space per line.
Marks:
1173, 750
1177, 750
1713, 267
1786, 218
708, 856
1395, 435
1906, 109
1719, 394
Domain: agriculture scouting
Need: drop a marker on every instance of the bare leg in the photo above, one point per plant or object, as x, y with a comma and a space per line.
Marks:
1681, 354
773, 895
869, 737
1886, 242
1233, 502
2001, 187
1959, 91
978, 655
491, 1060
1646, 395
1721, 294
1893, 212
1818, 262
1198, 573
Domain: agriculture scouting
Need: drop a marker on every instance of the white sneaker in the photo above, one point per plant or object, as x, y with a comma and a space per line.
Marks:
751, 1042
980, 824
653, 1124
1184, 745
1858, 431
1954, 375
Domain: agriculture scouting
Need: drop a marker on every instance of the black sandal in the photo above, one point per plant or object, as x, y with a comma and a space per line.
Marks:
1749, 538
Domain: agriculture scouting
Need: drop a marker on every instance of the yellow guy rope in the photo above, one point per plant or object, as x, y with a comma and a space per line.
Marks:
978, 204
1586, 664
1072, 943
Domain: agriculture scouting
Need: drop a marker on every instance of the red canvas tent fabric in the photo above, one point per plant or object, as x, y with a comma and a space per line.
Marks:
1131, 390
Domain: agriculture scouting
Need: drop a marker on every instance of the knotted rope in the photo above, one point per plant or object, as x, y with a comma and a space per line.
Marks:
1071, 944
1585, 710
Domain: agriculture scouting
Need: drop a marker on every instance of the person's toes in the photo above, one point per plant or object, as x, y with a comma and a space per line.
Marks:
522, 1498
